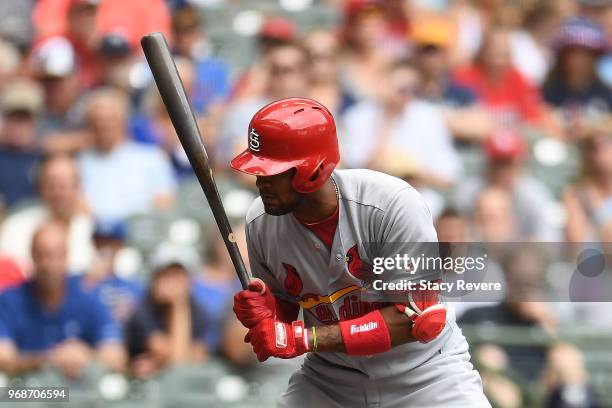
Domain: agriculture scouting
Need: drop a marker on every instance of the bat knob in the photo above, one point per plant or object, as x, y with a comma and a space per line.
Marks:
257, 285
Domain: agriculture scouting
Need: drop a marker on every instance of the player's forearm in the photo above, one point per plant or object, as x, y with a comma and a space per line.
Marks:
329, 338
326, 338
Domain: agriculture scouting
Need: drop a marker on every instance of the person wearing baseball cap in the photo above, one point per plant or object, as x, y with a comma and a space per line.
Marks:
211, 84
433, 38
506, 155
573, 83
21, 101
21, 97
53, 63
169, 326
276, 31
119, 294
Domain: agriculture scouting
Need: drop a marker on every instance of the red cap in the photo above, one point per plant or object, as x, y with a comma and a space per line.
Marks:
352, 8
278, 28
504, 145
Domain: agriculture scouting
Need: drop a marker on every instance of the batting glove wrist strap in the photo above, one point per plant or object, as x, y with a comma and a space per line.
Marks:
274, 338
366, 335
428, 316
426, 324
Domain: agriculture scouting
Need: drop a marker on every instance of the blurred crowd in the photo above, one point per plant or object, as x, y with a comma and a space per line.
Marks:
499, 112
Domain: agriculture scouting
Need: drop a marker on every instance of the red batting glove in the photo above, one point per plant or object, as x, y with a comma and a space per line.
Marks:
273, 338
255, 304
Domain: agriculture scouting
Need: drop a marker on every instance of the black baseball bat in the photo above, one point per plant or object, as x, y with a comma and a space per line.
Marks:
175, 99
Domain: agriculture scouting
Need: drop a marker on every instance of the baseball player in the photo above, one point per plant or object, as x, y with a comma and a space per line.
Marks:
313, 235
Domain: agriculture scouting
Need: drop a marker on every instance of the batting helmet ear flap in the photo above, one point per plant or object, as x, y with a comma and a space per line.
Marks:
306, 181
307, 177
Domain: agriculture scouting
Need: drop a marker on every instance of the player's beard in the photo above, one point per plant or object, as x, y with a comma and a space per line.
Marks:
275, 206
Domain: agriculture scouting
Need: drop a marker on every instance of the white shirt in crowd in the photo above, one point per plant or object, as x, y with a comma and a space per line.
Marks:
420, 131
126, 180
19, 228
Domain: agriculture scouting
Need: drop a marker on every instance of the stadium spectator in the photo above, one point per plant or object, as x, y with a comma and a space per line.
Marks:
61, 201
211, 85
573, 85
10, 61
118, 62
76, 21
286, 76
20, 103
216, 285
588, 201
323, 49
50, 320
559, 367
452, 226
499, 86
368, 53
400, 127
601, 12
153, 125
432, 38
453, 229
494, 217
506, 155
118, 15
119, 295
116, 167
275, 32
524, 306
86, 22
588, 284
499, 384
531, 54
53, 64
233, 347
169, 327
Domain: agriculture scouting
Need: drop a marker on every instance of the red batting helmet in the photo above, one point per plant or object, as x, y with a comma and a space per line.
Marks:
291, 133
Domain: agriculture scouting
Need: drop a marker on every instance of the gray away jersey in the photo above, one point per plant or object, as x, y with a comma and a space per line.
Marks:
379, 216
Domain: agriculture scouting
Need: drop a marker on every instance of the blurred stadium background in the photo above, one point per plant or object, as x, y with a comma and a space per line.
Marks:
498, 111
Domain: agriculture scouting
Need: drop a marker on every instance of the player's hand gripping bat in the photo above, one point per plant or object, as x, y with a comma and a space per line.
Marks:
175, 99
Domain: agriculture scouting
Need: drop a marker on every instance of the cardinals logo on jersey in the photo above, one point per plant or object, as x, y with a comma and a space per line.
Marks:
293, 282
357, 266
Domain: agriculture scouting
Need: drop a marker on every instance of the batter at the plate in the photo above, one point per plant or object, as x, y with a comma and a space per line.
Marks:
311, 238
